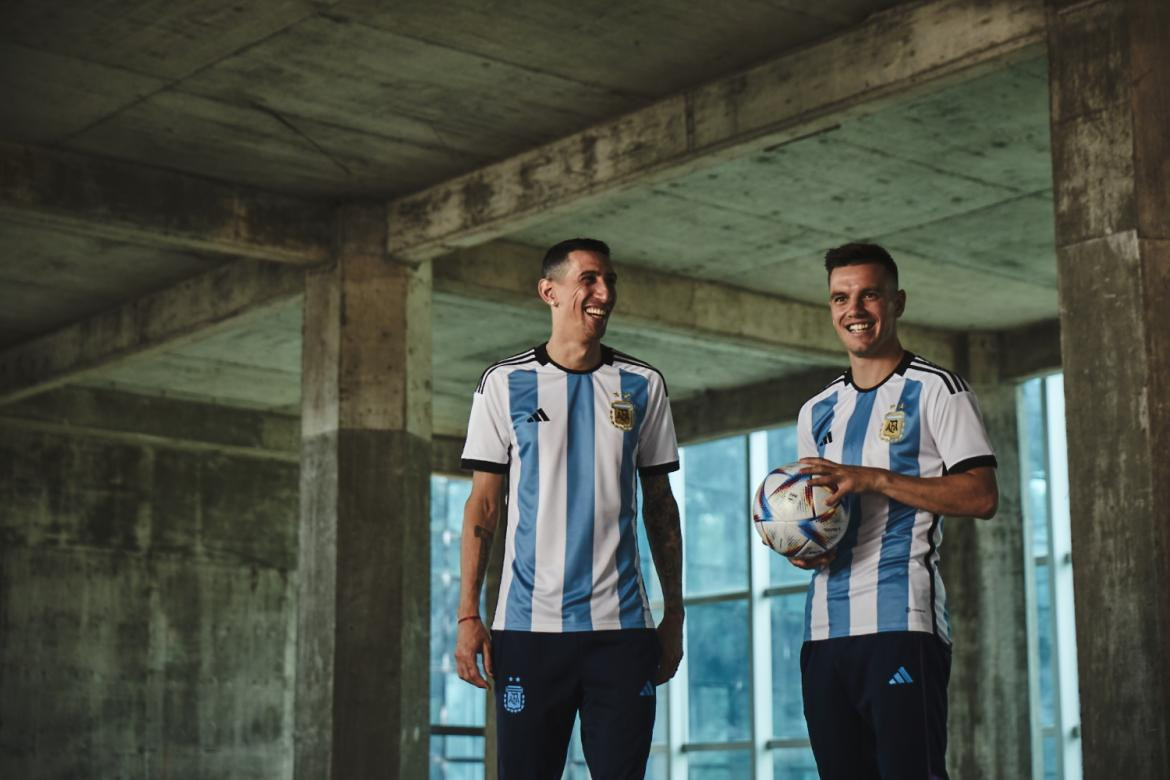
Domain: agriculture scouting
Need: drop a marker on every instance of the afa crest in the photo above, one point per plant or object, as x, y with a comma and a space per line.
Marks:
513, 695
893, 426
621, 413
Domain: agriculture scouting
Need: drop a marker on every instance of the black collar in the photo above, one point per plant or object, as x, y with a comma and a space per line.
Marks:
900, 370
543, 358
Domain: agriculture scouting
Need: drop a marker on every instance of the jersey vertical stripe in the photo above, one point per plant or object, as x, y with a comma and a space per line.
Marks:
578, 587
822, 423
523, 395
629, 583
893, 588
841, 567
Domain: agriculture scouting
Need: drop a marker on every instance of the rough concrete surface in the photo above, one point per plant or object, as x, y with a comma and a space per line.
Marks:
146, 611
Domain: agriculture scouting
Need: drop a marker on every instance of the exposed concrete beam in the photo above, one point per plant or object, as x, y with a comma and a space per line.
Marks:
166, 422
717, 413
893, 56
154, 207
155, 322
506, 272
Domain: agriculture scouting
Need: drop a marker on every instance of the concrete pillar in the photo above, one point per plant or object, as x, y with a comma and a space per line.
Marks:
362, 644
983, 569
1110, 97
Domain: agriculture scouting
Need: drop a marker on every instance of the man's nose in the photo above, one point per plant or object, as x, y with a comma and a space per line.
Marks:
605, 292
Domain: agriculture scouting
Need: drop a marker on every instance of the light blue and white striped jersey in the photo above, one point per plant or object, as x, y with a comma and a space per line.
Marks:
572, 443
922, 421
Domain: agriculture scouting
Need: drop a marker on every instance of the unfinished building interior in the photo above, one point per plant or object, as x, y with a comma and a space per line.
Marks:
254, 257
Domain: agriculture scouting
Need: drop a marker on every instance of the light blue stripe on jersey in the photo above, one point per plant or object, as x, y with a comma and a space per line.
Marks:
578, 590
893, 597
522, 401
822, 423
840, 568
629, 583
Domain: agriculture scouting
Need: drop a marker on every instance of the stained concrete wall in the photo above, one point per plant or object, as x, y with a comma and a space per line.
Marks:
146, 610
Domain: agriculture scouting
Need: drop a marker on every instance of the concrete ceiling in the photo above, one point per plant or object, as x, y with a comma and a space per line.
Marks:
343, 100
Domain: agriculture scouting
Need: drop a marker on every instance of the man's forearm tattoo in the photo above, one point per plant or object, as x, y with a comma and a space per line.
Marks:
485, 550
660, 513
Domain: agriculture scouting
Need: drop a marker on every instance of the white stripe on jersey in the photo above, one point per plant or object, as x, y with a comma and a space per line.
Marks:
550, 537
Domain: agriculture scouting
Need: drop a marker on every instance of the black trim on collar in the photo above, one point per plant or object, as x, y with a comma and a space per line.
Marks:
900, 370
541, 354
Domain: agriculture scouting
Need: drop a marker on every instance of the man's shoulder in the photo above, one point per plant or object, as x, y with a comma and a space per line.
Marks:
627, 362
936, 377
500, 368
840, 382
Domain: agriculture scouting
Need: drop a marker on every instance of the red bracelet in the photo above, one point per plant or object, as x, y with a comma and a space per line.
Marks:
468, 617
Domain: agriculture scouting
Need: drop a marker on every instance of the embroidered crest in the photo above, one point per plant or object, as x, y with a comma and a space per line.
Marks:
621, 413
513, 695
893, 426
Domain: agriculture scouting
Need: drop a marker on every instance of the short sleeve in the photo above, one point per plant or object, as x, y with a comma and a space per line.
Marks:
488, 431
805, 446
957, 427
657, 445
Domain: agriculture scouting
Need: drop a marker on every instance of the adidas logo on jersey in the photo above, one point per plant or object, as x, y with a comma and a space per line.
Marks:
647, 689
537, 416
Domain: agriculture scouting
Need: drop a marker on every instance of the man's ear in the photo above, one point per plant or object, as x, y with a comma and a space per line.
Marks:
544, 288
900, 303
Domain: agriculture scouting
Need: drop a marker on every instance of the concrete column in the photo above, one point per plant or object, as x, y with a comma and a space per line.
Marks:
362, 644
983, 569
1110, 97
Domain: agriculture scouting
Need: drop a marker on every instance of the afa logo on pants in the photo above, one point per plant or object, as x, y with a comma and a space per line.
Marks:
513, 695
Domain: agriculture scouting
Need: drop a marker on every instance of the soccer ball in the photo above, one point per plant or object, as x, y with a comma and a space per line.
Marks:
791, 515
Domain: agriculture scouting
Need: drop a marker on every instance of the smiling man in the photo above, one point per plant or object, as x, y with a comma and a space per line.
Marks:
572, 424
901, 442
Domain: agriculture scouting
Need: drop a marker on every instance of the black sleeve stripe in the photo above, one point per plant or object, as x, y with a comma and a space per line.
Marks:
958, 380
469, 464
661, 468
523, 357
979, 461
624, 358
937, 372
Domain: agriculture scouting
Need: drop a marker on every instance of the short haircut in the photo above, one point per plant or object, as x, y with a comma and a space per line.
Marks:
557, 254
860, 254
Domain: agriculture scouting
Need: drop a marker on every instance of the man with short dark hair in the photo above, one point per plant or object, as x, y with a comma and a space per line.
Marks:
572, 423
900, 442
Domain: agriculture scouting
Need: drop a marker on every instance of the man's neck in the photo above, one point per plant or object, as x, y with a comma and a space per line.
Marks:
871, 371
575, 355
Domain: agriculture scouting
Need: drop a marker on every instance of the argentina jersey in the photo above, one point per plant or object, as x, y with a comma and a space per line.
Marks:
922, 421
572, 444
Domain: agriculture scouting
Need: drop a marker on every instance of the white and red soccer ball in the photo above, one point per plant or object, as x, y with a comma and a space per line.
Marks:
793, 516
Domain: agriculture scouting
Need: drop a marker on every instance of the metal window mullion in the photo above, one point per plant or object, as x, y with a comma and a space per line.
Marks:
759, 614
1060, 579
676, 689
1035, 727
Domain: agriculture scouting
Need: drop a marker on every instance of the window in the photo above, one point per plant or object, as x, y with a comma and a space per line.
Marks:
1052, 652
457, 709
735, 709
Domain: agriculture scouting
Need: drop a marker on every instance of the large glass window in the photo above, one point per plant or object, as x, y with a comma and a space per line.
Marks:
1056, 743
